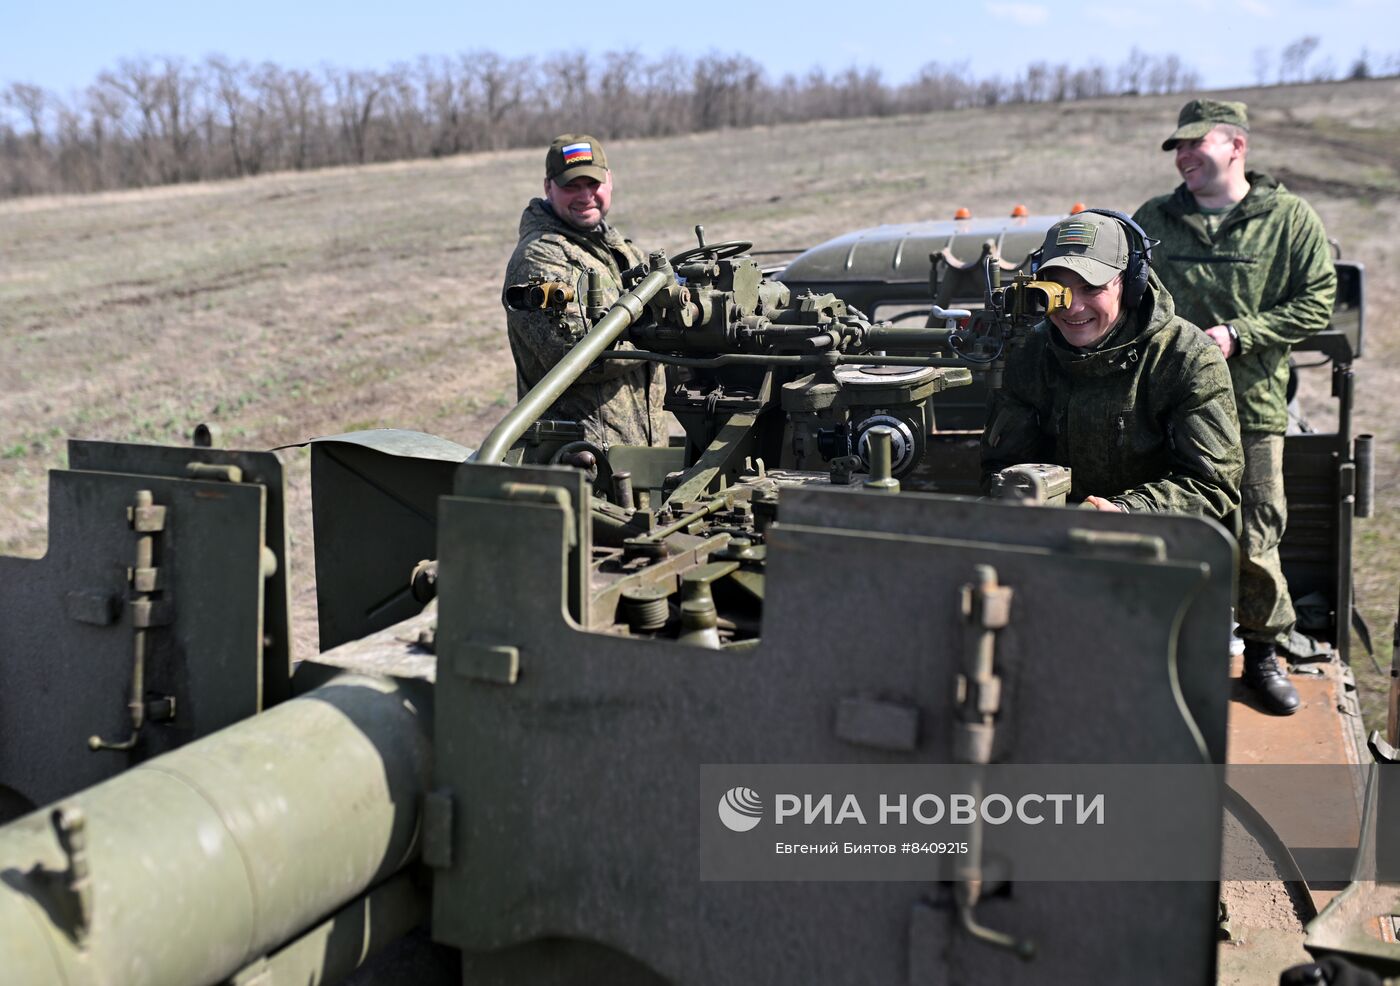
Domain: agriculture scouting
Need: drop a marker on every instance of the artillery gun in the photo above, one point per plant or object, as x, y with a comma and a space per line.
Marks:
517, 743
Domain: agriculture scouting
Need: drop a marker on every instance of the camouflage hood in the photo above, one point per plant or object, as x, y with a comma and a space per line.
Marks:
540, 220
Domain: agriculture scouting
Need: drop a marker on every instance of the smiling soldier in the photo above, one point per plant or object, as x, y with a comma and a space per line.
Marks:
1135, 400
1248, 262
563, 235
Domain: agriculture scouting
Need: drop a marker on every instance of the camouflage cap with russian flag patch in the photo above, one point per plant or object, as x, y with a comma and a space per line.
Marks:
575, 156
1093, 246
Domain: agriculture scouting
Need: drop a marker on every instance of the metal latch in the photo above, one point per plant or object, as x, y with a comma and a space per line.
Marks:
986, 606
149, 608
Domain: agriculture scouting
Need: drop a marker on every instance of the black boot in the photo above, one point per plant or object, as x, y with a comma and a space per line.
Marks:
1269, 681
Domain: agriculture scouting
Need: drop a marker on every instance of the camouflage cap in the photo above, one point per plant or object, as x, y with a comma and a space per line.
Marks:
575, 156
1198, 117
1093, 246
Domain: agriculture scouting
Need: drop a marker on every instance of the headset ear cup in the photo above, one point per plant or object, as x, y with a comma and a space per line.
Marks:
1135, 281
1136, 274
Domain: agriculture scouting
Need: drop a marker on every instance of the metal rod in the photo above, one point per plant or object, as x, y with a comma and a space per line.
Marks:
680, 525
881, 478
564, 373
1392, 717
1364, 446
622, 490
761, 359
882, 336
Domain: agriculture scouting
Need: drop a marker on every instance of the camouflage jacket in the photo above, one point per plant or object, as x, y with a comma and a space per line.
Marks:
1267, 271
617, 402
1147, 420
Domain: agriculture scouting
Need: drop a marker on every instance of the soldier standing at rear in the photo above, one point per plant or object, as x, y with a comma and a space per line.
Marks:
563, 235
1248, 262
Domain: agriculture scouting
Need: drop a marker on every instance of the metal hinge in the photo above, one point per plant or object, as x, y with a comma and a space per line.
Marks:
986, 606
150, 607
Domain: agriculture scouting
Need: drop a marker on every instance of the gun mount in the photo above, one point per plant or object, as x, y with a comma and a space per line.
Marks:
807, 379
753, 596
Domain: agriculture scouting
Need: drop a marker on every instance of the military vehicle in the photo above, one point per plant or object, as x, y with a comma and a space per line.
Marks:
540, 657
893, 272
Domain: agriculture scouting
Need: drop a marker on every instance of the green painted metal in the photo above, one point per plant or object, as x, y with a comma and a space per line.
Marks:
261, 468
592, 745
603, 334
218, 644
350, 938
560, 825
212, 856
900, 252
362, 569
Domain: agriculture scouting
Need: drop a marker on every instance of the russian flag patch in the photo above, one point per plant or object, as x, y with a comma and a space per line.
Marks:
578, 153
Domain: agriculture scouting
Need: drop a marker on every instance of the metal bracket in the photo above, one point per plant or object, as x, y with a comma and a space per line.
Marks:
495, 665
147, 519
1120, 544
986, 606
70, 828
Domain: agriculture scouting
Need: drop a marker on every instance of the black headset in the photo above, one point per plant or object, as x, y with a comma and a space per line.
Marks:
1139, 256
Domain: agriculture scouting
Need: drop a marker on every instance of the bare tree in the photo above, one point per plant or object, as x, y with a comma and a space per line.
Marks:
355, 96
1131, 72
1323, 70
501, 86
1361, 68
1037, 82
228, 87
30, 101
161, 120
1294, 59
1171, 73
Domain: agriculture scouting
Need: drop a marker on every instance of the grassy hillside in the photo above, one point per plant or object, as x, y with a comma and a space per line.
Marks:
288, 306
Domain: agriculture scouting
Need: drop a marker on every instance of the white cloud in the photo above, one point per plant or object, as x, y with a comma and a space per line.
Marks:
1259, 8
1023, 14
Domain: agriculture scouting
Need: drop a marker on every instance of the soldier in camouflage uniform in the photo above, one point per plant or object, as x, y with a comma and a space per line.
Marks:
1131, 397
563, 235
1247, 261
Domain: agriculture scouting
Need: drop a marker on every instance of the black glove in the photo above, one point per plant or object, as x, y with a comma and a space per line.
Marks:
1330, 971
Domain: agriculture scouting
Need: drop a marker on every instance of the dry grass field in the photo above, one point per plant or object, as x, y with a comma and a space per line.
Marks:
294, 305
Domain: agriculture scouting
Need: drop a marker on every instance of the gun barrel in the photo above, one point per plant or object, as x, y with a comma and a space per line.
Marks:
897, 337
622, 314
196, 863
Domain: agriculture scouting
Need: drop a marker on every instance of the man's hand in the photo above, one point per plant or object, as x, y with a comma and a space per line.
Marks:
1099, 503
1227, 341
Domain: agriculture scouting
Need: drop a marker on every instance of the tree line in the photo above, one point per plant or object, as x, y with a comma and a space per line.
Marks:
152, 121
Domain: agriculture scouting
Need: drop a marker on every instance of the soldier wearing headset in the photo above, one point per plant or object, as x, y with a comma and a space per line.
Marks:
1135, 400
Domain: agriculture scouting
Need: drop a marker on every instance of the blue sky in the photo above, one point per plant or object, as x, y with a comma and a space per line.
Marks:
62, 45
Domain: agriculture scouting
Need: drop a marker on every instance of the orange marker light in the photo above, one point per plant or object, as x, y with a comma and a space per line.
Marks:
963, 213
1077, 208
1019, 212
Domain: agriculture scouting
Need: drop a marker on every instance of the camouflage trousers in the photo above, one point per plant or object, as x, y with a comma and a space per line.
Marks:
1264, 610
